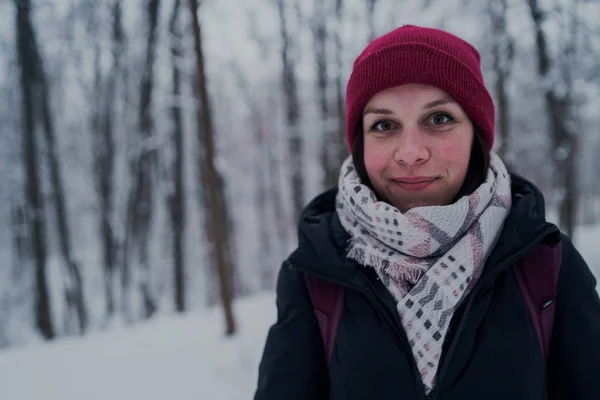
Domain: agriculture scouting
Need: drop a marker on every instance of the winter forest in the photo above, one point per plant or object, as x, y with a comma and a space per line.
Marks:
156, 155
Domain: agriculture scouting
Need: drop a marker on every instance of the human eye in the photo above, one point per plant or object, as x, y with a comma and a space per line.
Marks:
440, 119
381, 126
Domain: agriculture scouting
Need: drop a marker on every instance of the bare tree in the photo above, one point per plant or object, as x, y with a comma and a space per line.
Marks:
332, 112
320, 39
104, 153
503, 54
339, 140
21, 246
74, 296
36, 109
558, 103
36, 99
292, 107
143, 167
34, 214
176, 198
74, 292
216, 220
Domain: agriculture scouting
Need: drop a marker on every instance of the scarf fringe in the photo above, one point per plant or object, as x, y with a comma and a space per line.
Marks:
401, 273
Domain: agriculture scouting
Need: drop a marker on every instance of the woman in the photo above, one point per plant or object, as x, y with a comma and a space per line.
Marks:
421, 234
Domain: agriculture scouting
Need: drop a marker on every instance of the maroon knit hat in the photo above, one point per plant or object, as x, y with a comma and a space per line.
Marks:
412, 54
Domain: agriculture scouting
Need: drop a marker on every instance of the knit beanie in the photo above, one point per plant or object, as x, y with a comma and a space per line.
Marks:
412, 54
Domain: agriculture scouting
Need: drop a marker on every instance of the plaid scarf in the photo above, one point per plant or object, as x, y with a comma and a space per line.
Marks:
429, 258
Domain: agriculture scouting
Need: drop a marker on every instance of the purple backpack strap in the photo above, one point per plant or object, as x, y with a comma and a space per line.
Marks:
537, 277
328, 299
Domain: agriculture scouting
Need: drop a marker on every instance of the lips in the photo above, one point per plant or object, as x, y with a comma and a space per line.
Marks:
414, 182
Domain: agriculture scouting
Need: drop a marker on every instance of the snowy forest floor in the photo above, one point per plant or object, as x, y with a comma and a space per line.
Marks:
179, 357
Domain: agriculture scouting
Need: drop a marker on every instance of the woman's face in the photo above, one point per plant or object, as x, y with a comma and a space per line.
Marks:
417, 145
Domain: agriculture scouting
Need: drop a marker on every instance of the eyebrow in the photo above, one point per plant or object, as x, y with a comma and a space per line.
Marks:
384, 111
433, 104
444, 100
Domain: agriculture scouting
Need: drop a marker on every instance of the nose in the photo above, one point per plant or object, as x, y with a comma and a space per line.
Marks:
411, 148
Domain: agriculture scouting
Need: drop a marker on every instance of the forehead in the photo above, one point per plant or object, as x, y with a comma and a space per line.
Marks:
409, 93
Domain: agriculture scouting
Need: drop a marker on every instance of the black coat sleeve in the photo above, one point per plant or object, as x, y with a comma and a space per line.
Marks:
293, 363
574, 365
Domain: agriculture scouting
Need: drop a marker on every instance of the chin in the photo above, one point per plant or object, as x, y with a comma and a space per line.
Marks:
405, 206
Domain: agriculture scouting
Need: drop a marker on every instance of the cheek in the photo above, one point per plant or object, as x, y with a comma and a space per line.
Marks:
456, 156
376, 159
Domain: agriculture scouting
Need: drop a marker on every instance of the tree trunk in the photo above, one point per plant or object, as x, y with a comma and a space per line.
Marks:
147, 161
34, 214
104, 151
216, 208
74, 293
334, 145
502, 51
559, 110
108, 162
292, 106
265, 201
21, 247
275, 188
177, 203
140, 203
339, 140
320, 39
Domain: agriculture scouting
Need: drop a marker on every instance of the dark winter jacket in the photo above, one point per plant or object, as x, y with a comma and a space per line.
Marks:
491, 352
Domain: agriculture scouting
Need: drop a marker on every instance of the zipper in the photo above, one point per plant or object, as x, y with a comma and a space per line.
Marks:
400, 334
452, 348
482, 284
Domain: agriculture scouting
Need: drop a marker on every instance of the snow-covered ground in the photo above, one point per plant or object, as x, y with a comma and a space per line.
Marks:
184, 358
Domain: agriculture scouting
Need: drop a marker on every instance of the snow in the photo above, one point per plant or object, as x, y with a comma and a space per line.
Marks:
185, 357
182, 357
